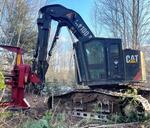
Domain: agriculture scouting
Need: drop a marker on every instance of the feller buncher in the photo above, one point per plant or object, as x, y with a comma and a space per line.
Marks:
101, 64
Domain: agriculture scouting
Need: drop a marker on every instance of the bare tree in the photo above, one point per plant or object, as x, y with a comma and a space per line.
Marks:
17, 24
126, 19
94, 18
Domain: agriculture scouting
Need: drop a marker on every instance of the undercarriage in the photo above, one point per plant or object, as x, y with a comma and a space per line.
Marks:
99, 104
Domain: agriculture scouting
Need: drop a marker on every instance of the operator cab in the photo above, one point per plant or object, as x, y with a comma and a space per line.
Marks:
99, 61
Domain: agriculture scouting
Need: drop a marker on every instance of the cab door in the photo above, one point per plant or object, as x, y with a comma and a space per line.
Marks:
115, 60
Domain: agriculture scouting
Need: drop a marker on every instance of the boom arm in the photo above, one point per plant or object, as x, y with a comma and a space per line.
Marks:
65, 17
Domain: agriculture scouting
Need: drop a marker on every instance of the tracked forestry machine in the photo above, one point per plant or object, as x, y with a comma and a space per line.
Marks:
101, 65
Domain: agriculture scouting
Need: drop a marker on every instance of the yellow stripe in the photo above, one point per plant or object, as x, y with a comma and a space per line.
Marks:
143, 67
18, 59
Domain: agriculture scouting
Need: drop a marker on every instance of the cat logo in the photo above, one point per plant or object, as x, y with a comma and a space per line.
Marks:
131, 59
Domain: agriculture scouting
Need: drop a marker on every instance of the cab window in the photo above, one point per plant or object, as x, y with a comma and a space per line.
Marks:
95, 55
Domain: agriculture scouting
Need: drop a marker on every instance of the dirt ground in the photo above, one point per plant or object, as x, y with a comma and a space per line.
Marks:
38, 104
15, 119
